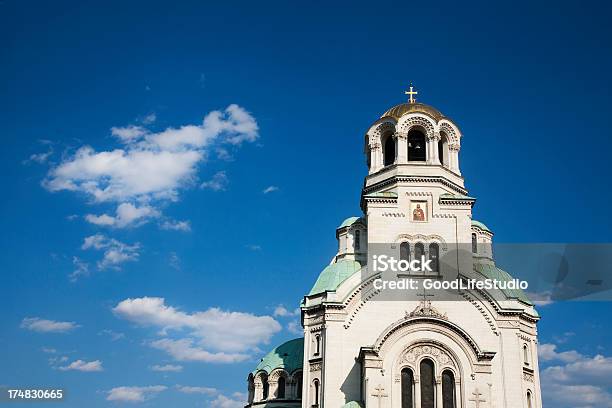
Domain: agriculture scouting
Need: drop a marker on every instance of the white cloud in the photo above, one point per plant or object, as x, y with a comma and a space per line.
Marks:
196, 390
150, 118
184, 350
127, 215
254, 247
294, 327
174, 261
128, 134
114, 336
215, 335
80, 365
270, 189
548, 352
218, 182
47, 326
54, 361
541, 298
174, 225
134, 394
48, 350
40, 158
167, 367
237, 400
575, 396
282, 311
150, 166
115, 252
81, 268
578, 382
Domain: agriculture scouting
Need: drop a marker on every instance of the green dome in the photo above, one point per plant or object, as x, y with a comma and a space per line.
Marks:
333, 275
493, 272
480, 225
289, 355
352, 404
350, 221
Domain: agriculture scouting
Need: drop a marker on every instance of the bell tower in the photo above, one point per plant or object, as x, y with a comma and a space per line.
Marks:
414, 195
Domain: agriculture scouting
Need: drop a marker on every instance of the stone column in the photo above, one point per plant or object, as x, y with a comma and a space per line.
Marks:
272, 389
439, 392
402, 147
453, 158
436, 140
430, 151
258, 392
458, 394
376, 162
417, 391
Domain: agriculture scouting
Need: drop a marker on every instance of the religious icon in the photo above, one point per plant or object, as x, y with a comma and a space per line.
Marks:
419, 211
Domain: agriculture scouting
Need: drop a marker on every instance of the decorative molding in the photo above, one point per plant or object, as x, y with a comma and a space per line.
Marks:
483, 311
409, 179
413, 354
406, 323
451, 134
408, 122
396, 214
424, 309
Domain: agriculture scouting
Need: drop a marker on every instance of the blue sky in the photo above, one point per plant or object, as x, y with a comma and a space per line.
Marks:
267, 105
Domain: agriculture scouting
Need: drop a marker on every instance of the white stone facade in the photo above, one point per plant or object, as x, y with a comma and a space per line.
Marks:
356, 344
488, 344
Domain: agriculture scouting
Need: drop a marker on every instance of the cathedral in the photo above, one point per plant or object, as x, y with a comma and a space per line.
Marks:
364, 347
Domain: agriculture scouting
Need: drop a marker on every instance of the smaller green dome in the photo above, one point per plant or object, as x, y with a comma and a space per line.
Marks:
352, 404
333, 275
480, 225
493, 272
350, 221
289, 355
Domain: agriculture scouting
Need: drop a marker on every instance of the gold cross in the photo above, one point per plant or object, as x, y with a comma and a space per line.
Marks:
410, 93
379, 394
476, 398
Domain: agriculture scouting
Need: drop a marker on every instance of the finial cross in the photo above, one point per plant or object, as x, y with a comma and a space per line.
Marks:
425, 295
380, 394
477, 400
410, 94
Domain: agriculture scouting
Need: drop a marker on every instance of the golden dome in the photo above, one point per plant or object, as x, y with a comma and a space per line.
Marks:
403, 108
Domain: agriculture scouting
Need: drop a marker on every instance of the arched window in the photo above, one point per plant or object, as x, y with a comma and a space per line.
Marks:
281, 388
443, 149
357, 240
417, 150
474, 243
316, 386
428, 391
298, 379
404, 251
448, 389
434, 256
407, 396
389, 150
529, 402
525, 354
419, 251
266, 388
317, 345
